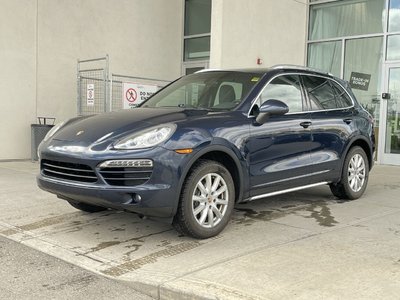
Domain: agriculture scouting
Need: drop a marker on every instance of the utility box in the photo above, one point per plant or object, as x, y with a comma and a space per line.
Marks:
38, 132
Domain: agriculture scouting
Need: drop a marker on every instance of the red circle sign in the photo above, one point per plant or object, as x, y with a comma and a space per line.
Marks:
131, 95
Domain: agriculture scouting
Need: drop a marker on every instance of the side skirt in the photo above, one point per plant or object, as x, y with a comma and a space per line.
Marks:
285, 191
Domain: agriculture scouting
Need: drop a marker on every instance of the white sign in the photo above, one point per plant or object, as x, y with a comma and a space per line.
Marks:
134, 93
90, 94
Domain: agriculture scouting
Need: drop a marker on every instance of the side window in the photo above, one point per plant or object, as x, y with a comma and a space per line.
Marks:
343, 99
325, 94
286, 89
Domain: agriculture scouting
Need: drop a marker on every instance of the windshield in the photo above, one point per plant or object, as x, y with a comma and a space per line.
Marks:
217, 90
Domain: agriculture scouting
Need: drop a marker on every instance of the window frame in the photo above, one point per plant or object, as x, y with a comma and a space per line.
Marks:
305, 96
331, 80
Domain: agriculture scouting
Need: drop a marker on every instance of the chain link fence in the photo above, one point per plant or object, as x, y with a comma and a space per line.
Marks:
93, 87
97, 93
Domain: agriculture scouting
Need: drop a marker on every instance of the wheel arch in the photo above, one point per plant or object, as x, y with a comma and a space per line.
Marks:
365, 145
226, 157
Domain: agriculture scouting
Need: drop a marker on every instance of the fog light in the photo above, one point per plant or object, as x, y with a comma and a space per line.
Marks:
127, 163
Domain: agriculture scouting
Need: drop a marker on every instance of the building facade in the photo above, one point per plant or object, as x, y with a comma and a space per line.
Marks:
41, 40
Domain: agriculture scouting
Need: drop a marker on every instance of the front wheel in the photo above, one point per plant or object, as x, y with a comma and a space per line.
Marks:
354, 175
206, 201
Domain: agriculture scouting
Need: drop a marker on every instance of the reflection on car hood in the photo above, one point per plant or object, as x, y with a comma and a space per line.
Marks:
105, 126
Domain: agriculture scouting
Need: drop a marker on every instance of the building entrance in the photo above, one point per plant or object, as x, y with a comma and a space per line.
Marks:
389, 141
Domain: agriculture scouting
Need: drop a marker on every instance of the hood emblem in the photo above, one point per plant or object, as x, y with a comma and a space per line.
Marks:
80, 132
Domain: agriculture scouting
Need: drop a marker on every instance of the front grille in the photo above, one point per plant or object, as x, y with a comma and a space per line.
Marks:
126, 176
68, 171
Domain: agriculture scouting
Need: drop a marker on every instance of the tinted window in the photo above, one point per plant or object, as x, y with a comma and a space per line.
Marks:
286, 89
343, 99
325, 94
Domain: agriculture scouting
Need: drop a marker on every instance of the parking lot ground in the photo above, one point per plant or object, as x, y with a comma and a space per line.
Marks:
26, 273
302, 245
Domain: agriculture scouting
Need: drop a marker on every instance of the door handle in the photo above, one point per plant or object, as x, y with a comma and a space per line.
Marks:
348, 120
305, 124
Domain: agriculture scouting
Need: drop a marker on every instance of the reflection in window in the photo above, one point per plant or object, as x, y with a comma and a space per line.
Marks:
197, 30
346, 18
197, 17
393, 47
196, 48
393, 113
365, 56
286, 89
325, 56
325, 94
394, 16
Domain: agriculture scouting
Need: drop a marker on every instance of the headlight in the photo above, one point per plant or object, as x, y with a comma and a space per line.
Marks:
53, 130
148, 138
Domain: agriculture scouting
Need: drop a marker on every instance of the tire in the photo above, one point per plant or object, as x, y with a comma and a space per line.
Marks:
86, 207
355, 175
206, 202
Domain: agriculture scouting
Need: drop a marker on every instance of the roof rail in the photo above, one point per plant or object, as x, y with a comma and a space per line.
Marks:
301, 68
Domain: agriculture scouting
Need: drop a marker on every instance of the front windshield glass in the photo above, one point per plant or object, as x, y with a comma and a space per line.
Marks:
217, 90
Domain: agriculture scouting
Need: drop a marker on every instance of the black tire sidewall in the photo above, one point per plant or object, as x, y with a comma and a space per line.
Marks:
186, 198
350, 194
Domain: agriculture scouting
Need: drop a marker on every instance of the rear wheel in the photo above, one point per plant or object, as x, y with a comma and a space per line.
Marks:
206, 201
354, 175
86, 207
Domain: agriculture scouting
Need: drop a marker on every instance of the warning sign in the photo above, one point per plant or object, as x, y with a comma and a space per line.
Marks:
90, 94
134, 93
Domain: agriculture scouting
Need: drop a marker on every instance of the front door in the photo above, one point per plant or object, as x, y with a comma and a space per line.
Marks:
279, 150
389, 135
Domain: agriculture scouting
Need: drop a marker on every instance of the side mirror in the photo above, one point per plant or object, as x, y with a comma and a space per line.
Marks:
269, 108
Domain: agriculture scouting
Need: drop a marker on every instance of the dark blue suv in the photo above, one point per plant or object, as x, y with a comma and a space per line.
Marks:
210, 140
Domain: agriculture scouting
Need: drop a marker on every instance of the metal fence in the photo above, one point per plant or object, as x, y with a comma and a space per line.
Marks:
96, 93
93, 86
117, 87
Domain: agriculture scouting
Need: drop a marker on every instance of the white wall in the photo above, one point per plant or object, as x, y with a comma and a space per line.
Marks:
17, 76
142, 38
243, 30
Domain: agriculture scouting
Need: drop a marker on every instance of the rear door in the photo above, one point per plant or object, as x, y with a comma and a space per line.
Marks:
332, 116
279, 150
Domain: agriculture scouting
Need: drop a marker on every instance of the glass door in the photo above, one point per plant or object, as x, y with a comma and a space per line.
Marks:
389, 143
193, 67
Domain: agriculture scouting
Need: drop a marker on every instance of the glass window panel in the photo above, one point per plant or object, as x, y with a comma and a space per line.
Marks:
197, 16
394, 16
346, 18
320, 93
286, 89
189, 71
393, 47
197, 48
393, 113
325, 56
342, 98
365, 56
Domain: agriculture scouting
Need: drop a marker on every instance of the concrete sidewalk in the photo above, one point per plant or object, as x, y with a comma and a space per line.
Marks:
303, 245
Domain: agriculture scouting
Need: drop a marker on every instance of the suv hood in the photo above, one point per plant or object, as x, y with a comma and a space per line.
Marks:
88, 130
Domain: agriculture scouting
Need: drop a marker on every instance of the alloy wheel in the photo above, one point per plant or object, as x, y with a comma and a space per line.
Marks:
356, 173
210, 200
